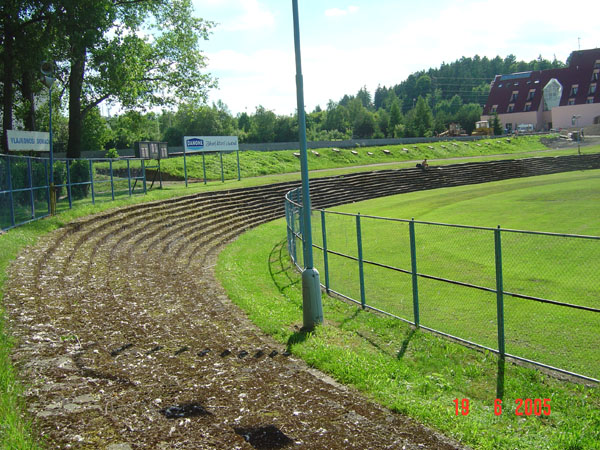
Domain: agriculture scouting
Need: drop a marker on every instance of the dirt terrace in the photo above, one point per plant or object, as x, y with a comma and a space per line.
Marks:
126, 341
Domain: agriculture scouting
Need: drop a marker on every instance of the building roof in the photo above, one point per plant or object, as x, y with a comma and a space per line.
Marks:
524, 90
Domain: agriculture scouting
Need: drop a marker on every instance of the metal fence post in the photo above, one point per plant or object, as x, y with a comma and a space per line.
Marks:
413, 266
361, 273
10, 192
325, 256
292, 220
499, 291
129, 177
47, 183
69, 192
112, 180
30, 180
92, 182
144, 175
222, 173
287, 224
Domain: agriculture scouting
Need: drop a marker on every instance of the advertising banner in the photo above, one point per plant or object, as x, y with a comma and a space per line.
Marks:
210, 143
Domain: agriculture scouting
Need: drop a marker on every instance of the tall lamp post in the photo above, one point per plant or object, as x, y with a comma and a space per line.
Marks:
47, 70
312, 309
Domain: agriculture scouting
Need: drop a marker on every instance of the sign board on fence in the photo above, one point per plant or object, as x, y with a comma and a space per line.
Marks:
28, 141
210, 143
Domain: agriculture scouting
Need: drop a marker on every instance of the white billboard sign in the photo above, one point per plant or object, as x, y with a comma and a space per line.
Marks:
28, 141
210, 143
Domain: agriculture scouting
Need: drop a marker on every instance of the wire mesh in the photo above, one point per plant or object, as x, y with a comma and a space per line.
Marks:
457, 283
24, 184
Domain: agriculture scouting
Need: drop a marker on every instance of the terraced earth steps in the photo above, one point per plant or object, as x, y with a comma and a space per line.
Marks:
125, 338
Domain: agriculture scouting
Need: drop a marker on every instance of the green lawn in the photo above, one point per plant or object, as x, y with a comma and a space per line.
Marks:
415, 372
555, 268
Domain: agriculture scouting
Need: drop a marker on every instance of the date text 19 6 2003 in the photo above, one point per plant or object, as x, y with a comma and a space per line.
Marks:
524, 407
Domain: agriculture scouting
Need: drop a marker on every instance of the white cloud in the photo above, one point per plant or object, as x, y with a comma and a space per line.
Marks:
336, 12
254, 16
264, 77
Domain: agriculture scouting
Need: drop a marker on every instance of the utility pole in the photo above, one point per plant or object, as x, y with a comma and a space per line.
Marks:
312, 309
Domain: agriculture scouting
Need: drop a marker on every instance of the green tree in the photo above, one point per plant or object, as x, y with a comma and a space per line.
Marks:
365, 97
95, 131
423, 118
496, 125
467, 116
364, 124
108, 57
263, 126
395, 114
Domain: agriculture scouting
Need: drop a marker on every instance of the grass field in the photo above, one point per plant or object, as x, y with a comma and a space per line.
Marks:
418, 373
556, 268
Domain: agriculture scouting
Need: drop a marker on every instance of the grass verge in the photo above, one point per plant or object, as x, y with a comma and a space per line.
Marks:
410, 371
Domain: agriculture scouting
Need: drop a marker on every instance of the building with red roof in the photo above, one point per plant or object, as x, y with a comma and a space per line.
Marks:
554, 98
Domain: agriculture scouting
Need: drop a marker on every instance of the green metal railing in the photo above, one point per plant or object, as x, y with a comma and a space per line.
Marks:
25, 186
530, 296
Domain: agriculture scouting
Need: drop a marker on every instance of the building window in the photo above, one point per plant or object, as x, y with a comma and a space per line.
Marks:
527, 106
531, 94
571, 101
511, 108
574, 90
494, 109
596, 75
590, 100
513, 97
592, 89
597, 64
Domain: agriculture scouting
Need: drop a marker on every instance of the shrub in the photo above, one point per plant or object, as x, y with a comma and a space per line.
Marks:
80, 173
112, 153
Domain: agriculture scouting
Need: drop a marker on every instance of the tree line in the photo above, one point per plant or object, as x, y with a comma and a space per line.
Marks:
146, 54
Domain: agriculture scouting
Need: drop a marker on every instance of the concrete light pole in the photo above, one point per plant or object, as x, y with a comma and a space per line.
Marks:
312, 309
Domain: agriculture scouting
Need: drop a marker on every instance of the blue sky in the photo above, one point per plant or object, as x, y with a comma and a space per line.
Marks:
347, 45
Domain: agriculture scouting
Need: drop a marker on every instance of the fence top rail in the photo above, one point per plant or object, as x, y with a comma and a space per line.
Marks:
469, 227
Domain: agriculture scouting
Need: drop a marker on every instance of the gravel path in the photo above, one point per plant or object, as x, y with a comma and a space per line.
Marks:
125, 340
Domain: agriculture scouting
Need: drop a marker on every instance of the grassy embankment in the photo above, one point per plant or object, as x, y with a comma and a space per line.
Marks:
257, 163
415, 372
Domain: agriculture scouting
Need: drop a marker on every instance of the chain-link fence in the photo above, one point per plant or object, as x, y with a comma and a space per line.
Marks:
528, 295
25, 184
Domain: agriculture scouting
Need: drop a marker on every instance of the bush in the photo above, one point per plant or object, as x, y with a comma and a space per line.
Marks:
112, 153
80, 173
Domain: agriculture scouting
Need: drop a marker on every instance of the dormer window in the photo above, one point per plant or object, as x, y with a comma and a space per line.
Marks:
590, 100
527, 107
513, 97
494, 109
597, 64
596, 75
574, 90
531, 94
592, 89
511, 108
571, 101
